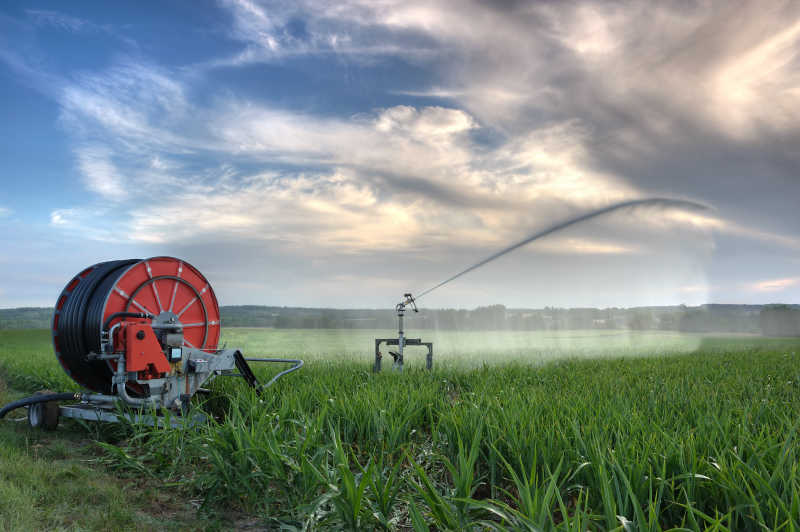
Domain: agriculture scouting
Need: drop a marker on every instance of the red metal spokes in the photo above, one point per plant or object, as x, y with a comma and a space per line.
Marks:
171, 287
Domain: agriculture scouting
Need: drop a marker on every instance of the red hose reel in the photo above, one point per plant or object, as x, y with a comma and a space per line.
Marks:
169, 290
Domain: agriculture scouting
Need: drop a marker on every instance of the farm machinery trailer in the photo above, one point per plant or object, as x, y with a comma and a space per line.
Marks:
141, 333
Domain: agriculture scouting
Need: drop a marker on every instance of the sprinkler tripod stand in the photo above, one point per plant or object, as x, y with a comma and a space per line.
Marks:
401, 341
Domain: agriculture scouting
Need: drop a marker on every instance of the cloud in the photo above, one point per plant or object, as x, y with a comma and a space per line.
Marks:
135, 102
61, 216
642, 80
774, 285
281, 174
59, 20
764, 71
275, 31
5, 212
405, 177
517, 115
100, 173
592, 57
402, 176
733, 228
663, 92
589, 245
694, 288
45, 18
92, 223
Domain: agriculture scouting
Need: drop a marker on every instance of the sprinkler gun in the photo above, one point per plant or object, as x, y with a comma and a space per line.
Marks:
408, 299
401, 341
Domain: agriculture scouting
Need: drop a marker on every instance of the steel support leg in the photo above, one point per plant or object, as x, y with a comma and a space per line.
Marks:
377, 367
398, 362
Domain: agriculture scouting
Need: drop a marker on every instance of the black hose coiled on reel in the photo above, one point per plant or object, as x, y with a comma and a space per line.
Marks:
80, 322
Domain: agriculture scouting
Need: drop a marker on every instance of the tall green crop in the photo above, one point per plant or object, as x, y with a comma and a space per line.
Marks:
695, 433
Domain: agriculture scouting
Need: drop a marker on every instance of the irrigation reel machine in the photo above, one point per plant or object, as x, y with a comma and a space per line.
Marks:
143, 333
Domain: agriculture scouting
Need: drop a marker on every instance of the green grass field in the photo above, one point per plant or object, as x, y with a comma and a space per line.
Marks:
581, 430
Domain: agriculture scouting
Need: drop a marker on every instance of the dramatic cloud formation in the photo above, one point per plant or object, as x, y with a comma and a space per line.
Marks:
499, 118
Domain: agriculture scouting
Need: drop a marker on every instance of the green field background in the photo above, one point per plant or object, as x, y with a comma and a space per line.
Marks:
580, 430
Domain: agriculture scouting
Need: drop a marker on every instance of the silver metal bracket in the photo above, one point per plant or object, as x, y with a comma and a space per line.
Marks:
91, 412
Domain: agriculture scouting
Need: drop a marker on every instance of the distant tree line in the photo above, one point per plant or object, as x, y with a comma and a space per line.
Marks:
26, 318
770, 320
780, 320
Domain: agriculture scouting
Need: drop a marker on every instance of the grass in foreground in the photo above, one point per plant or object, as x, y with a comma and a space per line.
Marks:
704, 440
57, 481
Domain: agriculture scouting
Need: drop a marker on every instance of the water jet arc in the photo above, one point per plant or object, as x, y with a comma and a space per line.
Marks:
649, 202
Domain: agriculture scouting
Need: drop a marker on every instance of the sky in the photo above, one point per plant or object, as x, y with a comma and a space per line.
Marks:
341, 153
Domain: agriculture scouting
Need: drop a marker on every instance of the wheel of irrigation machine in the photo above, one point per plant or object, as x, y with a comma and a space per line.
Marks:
169, 289
43, 415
